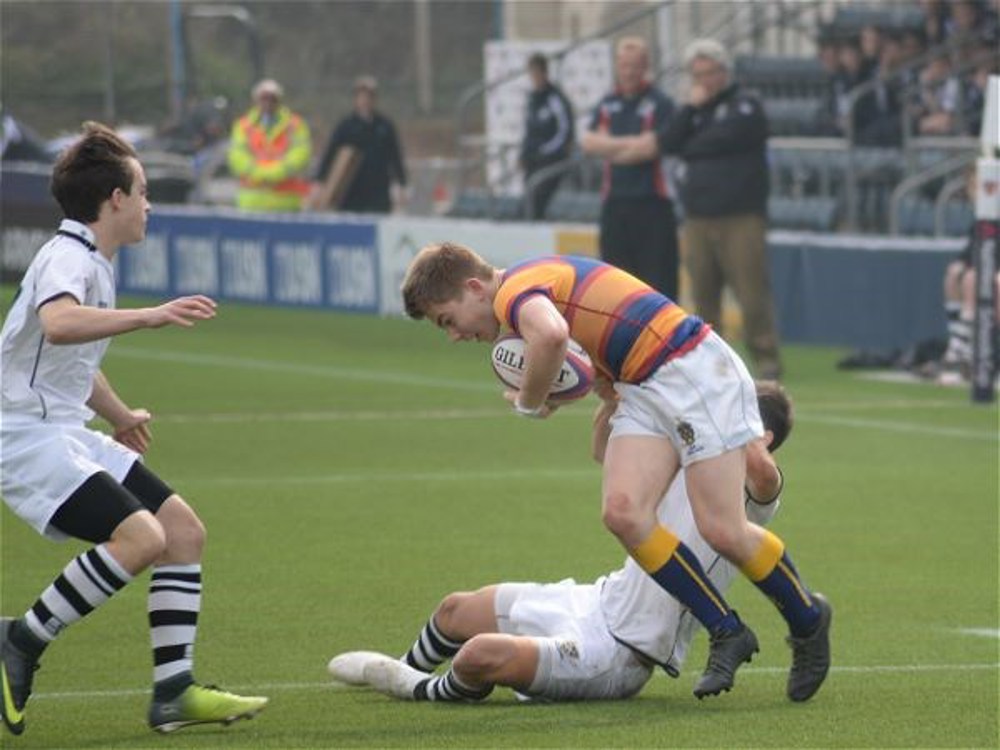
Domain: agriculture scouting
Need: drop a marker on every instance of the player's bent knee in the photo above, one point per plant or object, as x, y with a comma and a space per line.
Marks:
447, 610
184, 530
139, 541
727, 540
620, 515
482, 656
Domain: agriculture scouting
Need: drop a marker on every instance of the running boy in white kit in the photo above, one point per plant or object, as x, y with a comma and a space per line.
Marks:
70, 481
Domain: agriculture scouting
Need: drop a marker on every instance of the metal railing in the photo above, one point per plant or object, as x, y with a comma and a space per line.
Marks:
919, 180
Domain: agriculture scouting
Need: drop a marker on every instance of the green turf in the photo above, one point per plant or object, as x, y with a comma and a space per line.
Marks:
352, 470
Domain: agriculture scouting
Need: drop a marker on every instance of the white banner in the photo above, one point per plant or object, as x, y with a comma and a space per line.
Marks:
399, 239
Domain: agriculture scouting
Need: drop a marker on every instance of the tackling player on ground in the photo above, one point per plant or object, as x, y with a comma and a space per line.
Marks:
565, 641
69, 481
685, 400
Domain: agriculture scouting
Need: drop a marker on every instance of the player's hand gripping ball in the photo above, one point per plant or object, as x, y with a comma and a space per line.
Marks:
575, 378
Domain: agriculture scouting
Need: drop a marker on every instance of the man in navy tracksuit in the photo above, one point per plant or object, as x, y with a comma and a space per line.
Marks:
548, 133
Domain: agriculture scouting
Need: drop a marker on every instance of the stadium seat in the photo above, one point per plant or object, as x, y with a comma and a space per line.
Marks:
916, 215
477, 203
781, 77
813, 213
850, 19
792, 115
958, 218
575, 205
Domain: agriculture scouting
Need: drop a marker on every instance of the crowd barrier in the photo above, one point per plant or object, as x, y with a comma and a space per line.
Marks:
848, 290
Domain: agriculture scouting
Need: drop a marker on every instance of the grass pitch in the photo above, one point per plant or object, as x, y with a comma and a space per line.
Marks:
351, 471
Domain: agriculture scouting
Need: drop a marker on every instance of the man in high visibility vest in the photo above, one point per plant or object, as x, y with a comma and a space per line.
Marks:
269, 151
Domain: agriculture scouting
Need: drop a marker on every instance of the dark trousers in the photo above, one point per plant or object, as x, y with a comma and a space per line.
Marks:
639, 235
542, 194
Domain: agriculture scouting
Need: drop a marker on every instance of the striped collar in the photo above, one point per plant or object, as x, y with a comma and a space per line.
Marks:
79, 232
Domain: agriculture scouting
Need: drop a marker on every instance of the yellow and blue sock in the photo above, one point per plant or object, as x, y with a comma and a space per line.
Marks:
675, 567
772, 571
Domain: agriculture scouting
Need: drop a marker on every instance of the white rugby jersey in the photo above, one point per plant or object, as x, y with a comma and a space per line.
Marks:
642, 615
42, 381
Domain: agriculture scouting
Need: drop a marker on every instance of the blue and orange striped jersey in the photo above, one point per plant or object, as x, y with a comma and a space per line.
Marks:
627, 327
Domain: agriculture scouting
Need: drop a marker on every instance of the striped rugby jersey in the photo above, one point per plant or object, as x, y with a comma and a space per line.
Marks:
628, 328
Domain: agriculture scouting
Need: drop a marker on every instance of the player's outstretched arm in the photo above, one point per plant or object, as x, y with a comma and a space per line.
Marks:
131, 426
66, 321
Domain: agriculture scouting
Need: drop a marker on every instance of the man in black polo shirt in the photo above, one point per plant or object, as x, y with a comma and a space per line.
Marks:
638, 228
374, 136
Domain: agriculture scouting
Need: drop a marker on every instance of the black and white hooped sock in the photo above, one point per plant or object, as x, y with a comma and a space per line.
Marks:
174, 604
89, 580
431, 648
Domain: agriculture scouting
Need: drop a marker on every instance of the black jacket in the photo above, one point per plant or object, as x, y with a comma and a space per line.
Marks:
723, 144
549, 129
381, 161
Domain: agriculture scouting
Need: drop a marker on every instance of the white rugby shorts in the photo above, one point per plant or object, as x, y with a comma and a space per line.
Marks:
577, 657
704, 401
42, 464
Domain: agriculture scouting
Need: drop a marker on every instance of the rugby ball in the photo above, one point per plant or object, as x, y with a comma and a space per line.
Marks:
575, 378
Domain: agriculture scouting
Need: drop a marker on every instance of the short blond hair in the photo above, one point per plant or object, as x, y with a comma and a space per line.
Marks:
633, 43
437, 274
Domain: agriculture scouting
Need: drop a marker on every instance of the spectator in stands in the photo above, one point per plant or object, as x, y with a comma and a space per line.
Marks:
548, 133
374, 137
638, 228
721, 137
850, 73
986, 62
269, 152
871, 48
828, 54
962, 24
878, 113
935, 19
939, 99
913, 42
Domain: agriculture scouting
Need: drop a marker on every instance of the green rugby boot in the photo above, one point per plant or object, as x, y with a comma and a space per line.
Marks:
17, 670
203, 704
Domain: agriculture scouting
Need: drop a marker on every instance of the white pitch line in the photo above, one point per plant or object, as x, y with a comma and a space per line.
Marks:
413, 476
292, 686
446, 414
911, 428
335, 416
296, 368
382, 376
983, 632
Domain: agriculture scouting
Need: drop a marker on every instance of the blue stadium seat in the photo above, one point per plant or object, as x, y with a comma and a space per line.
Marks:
779, 76
813, 213
916, 215
849, 19
793, 115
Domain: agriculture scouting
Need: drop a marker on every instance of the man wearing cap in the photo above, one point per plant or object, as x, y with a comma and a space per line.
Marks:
374, 137
270, 148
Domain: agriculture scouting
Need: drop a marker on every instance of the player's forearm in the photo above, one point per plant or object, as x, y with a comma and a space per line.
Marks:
764, 479
106, 402
544, 356
78, 324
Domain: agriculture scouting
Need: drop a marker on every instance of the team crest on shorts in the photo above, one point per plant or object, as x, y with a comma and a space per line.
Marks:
568, 650
686, 433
